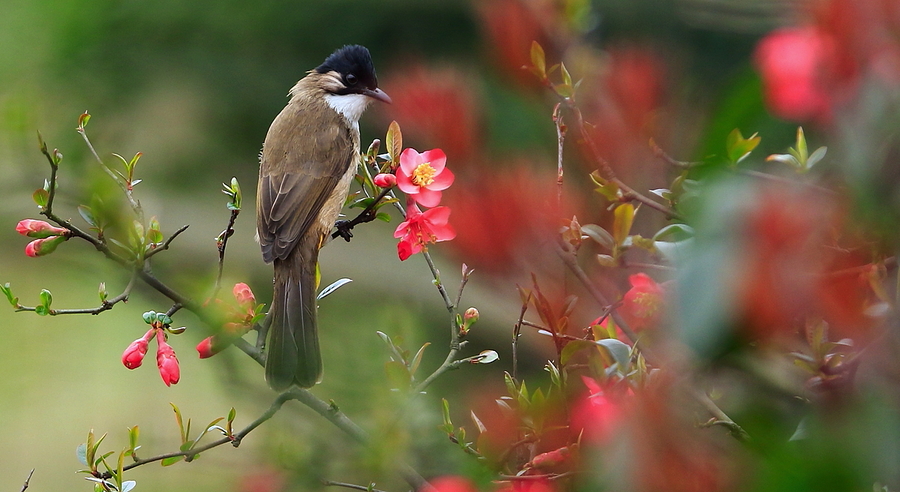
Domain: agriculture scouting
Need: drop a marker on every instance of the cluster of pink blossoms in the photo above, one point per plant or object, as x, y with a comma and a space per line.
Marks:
242, 319
422, 177
166, 360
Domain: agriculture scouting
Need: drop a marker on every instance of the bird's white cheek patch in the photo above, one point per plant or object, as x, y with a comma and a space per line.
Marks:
350, 106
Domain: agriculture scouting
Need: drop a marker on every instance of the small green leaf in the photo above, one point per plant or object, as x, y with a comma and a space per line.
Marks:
83, 120
566, 77
738, 147
803, 153
619, 351
383, 216
171, 460
394, 142
87, 214
46, 298
815, 157
600, 235
149, 317
337, 284
572, 348
538, 60
7, 291
41, 197
417, 359
677, 231
81, 454
624, 217
445, 414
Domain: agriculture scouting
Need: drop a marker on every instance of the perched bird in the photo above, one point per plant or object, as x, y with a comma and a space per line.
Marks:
307, 163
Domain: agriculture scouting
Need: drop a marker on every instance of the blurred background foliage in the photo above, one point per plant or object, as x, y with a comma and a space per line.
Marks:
194, 86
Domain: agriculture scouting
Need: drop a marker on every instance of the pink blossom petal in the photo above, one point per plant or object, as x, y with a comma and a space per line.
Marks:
427, 197
442, 181
436, 157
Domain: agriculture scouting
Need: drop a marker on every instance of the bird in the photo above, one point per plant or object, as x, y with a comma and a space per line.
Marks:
308, 160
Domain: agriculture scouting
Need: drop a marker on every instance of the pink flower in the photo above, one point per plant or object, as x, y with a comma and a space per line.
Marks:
38, 229
45, 246
421, 228
243, 294
134, 354
167, 362
423, 176
643, 304
385, 180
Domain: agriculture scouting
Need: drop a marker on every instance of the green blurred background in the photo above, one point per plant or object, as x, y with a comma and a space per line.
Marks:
194, 86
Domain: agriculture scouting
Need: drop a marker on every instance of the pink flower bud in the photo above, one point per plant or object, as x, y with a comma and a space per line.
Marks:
167, 363
385, 180
471, 315
209, 347
243, 294
134, 354
45, 246
38, 229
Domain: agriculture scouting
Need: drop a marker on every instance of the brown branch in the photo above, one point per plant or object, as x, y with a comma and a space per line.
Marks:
27, 480
369, 488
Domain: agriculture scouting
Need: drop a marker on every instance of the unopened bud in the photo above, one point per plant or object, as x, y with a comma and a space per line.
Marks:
167, 363
134, 354
385, 180
243, 294
45, 246
39, 229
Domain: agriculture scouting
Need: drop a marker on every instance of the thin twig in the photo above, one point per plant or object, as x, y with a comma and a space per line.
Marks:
222, 244
27, 480
106, 305
370, 488
135, 204
165, 245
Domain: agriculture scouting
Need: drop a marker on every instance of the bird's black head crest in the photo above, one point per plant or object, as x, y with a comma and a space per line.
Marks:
354, 63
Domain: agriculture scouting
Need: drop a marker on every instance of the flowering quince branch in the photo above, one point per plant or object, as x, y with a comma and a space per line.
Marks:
127, 185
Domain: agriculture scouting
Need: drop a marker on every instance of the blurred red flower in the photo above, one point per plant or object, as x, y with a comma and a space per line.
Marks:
451, 483
643, 304
436, 108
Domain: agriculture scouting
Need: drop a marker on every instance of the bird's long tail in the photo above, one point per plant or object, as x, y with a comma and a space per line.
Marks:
293, 350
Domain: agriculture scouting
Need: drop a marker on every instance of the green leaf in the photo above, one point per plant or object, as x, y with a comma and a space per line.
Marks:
802, 151
677, 231
619, 351
566, 77
81, 454
7, 291
180, 421
572, 348
46, 298
417, 359
41, 197
510, 384
133, 434
815, 157
337, 284
600, 235
738, 147
394, 142
445, 414
171, 461
538, 60
83, 120
624, 217
87, 214
383, 216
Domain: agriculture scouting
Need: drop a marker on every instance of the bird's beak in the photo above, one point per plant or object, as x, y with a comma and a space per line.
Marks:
379, 95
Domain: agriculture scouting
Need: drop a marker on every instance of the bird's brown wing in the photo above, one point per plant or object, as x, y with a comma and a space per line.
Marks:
300, 167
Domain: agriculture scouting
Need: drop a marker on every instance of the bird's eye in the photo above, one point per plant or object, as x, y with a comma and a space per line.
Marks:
351, 79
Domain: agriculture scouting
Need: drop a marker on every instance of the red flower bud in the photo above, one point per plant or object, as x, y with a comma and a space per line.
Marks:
243, 294
209, 347
45, 246
38, 229
385, 180
167, 363
134, 354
